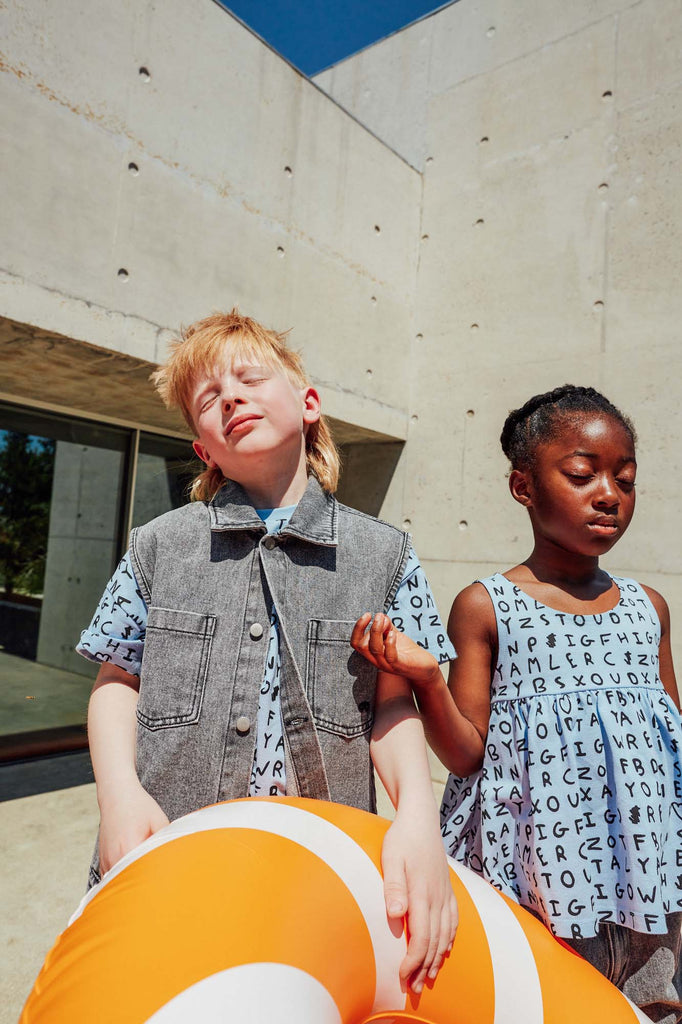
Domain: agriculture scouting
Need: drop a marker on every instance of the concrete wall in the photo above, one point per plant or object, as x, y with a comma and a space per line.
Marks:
549, 137
169, 164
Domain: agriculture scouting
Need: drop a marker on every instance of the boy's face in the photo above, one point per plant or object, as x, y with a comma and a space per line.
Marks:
250, 418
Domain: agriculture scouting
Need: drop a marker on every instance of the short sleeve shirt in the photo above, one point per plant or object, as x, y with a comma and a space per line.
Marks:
117, 631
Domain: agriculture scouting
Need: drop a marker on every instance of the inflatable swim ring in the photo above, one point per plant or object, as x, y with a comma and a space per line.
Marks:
271, 911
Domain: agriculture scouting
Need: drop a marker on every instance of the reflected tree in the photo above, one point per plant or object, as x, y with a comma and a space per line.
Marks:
26, 470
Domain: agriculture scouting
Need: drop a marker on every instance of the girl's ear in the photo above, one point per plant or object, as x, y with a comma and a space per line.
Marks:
311, 406
202, 452
520, 487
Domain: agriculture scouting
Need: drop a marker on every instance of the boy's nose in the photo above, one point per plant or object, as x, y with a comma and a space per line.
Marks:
228, 402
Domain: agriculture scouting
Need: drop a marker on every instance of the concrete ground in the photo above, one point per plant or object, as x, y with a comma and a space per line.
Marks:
45, 846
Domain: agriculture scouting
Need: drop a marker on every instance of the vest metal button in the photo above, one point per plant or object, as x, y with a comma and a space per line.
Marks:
255, 631
269, 542
243, 725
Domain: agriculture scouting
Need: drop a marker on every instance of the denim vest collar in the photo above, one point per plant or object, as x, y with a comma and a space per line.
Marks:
315, 518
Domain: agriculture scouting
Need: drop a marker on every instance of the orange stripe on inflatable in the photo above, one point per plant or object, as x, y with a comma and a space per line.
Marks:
572, 990
464, 990
468, 970
125, 957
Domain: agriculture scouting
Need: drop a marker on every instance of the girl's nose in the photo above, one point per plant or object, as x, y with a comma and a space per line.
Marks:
607, 493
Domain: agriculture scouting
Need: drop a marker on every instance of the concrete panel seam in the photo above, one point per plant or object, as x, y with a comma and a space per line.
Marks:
644, 101
528, 53
108, 313
376, 402
117, 130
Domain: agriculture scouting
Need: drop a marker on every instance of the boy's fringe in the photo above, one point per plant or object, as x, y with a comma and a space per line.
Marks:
203, 345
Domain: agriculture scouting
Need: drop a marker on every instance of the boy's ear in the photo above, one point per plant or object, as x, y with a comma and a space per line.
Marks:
520, 487
311, 405
202, 452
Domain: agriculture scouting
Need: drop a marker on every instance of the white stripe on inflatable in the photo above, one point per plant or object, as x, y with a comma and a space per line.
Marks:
641, 1017
330, 843
251, 994
515, 972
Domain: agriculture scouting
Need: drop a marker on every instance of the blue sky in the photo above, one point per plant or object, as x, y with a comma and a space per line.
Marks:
313, 34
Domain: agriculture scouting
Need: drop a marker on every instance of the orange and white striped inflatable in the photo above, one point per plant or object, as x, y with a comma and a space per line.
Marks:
272, 912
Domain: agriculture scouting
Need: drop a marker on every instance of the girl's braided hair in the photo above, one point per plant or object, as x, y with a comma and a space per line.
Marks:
538, 420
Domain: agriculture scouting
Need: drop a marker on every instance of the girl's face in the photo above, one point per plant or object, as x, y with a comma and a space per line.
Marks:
581, 491
250, 416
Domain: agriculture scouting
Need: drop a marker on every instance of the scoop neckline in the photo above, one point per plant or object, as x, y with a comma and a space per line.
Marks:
559, 611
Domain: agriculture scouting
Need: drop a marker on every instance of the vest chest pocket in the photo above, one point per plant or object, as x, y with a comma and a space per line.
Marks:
177, 649
340, 683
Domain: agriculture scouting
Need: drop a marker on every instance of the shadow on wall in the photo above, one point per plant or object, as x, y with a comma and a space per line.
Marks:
366, 473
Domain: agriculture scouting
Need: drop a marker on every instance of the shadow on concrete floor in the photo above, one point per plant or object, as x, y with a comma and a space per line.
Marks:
45, 775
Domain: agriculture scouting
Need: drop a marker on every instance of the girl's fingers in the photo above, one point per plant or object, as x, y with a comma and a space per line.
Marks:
376, 633
358, 638
367, 642
391, 645
380, 624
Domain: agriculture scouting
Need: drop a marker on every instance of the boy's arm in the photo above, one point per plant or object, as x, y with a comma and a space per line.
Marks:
128, 813
416, 877
455, 715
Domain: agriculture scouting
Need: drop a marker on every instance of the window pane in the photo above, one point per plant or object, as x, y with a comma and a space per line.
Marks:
165, 470
60, 524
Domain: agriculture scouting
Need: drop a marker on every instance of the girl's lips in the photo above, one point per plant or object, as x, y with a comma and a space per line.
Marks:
606, 528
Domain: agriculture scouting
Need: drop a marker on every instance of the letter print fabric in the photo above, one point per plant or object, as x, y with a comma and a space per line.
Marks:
576, 812
117, 632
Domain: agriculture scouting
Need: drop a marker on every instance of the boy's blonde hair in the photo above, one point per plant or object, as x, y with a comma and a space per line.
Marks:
224, 338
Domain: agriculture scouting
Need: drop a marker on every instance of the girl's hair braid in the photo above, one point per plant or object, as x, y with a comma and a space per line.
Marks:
538, 420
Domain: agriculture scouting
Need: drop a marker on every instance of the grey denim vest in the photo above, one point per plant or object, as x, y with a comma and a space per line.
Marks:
208, 573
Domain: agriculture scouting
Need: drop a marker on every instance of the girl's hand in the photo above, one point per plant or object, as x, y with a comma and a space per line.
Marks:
392, 651
417, 883
128, 817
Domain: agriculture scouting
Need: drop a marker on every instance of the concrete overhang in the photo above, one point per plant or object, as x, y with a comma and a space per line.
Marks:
49, 370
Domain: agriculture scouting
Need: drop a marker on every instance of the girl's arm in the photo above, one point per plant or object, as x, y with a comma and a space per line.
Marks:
416, 876
665, 655
128, 814
455, 716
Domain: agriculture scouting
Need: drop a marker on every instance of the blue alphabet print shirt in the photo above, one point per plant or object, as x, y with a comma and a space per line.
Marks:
117, 631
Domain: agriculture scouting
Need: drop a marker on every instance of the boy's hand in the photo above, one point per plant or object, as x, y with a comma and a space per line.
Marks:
392, 651
128, 817
417, 883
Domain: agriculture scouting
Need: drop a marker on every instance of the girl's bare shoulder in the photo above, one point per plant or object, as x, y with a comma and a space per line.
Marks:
473, 611
660, 605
